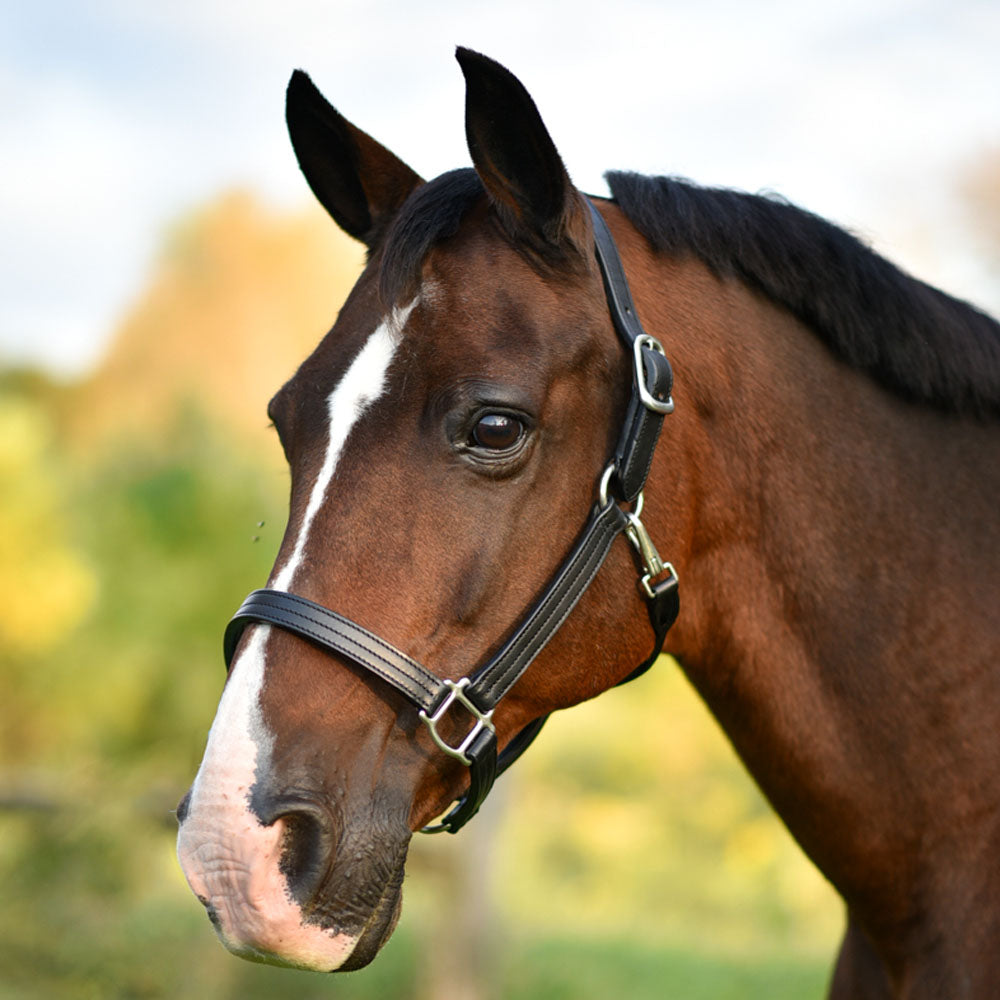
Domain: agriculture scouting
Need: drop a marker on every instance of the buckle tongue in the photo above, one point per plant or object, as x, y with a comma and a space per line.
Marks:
484, 720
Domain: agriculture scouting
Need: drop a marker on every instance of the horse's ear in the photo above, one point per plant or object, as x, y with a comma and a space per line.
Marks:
357, 180
515, 157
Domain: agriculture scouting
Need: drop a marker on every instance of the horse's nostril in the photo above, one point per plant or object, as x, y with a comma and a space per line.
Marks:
307, 845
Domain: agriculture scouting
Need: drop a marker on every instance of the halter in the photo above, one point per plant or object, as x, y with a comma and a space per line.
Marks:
479, 693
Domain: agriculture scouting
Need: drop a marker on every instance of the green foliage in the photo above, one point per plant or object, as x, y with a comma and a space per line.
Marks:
168, 532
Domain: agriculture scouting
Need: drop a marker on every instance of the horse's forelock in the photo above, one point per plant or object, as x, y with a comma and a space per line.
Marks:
432, 213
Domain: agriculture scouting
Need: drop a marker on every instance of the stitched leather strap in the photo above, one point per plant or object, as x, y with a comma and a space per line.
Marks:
339, 635
641, 428
493, 680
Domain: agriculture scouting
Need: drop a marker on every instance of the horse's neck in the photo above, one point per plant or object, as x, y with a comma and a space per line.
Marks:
838, 595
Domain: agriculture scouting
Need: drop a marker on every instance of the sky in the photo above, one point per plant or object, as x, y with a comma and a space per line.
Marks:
119, 116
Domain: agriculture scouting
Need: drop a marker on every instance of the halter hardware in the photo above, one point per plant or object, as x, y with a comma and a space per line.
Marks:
484, 720
644, 340
479, 692
637, 534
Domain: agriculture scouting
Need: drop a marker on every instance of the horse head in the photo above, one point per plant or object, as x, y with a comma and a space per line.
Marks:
445, 440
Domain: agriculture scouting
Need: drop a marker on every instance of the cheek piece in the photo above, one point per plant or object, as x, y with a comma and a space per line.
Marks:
617, 511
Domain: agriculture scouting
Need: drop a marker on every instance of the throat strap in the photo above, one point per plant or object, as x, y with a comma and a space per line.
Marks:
652, 377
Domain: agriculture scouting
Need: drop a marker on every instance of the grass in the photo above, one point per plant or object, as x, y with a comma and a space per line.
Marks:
558, 969
185, 961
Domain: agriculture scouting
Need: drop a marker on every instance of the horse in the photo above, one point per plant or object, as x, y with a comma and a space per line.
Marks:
825, 489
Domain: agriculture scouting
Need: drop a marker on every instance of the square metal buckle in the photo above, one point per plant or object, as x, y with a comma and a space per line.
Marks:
484, 720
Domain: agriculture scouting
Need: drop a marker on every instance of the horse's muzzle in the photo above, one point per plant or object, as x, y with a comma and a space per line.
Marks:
282, 885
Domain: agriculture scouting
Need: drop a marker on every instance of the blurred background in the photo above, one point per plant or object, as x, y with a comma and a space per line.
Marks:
163, 271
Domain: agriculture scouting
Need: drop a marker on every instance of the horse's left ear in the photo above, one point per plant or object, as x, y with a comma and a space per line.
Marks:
356, 179
516, 159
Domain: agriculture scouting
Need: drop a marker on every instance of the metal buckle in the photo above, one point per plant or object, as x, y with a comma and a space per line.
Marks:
484, 720
654, 566
648, 399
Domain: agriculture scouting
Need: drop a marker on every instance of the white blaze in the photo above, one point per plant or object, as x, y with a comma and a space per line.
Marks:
231, 861
362, 384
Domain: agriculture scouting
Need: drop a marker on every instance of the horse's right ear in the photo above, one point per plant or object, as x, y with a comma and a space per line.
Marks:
517, 160
357, 180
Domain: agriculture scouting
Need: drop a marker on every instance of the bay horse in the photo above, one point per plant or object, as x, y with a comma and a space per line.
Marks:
827, 488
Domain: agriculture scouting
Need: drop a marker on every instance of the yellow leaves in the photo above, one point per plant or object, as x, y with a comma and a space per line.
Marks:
24, 436
752, 847
45, 586
240, 296
46, 601
607, 826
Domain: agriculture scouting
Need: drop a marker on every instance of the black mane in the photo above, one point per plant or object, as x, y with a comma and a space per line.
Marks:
922, 344
916, 341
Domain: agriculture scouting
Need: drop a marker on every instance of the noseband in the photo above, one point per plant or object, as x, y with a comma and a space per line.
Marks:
620, 488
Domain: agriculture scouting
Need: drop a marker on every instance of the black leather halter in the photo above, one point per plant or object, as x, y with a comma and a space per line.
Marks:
480, 691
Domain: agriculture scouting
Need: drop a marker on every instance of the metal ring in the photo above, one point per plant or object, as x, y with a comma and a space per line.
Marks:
602, 491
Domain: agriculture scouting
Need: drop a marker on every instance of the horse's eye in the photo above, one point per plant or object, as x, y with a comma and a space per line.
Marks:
497, 431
